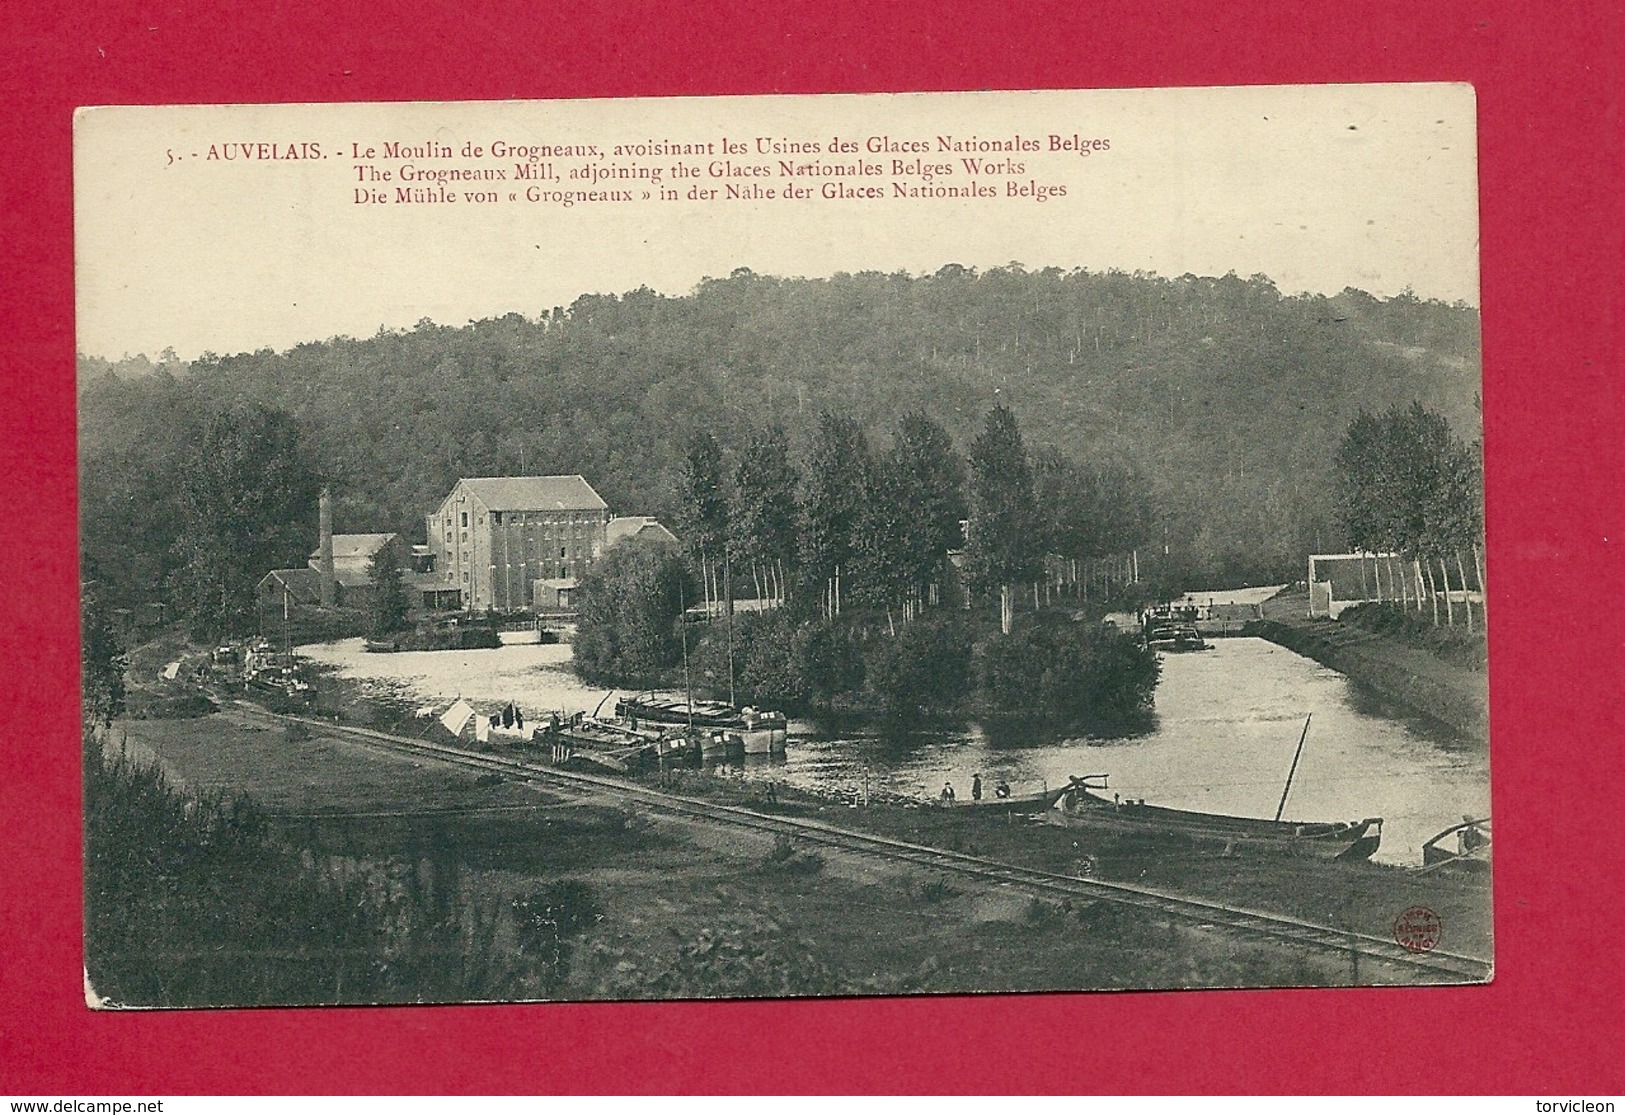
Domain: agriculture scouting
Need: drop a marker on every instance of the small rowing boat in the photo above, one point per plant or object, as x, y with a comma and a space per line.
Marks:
1472, 850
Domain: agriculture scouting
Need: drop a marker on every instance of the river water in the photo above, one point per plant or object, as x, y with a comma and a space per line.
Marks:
1226, 726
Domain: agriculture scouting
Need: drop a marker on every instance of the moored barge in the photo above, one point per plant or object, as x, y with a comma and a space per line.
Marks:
1330, 840
751, 731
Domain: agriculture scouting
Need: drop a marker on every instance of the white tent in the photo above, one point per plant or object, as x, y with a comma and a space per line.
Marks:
456, 718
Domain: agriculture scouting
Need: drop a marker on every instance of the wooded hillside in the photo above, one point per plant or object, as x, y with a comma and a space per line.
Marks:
1228, 399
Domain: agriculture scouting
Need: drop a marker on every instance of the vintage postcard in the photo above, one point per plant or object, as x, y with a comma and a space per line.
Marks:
782, 546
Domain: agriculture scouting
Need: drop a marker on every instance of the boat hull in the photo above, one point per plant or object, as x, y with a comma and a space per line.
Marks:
1478, 863
1329, 840
1176, 639
1025, 803
742, 731
604, 743
764, 740
1471, 854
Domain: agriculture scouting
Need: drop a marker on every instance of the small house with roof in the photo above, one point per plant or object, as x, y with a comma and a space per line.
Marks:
640, 529
350, 576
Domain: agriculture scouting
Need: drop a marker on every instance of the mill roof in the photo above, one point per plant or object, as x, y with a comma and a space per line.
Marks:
642, 527
355, 547
351, 577
535, 493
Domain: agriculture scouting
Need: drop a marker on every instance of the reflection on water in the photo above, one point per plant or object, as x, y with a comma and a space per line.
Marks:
1221, 739
1013, 736
537, 676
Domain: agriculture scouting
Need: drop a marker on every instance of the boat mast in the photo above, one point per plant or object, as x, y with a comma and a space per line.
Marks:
728, 621
688, 685
1279, 809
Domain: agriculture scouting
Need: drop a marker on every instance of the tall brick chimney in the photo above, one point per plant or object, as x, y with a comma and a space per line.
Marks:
325, 550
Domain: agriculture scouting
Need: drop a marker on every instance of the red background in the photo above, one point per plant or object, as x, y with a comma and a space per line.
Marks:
1548, 89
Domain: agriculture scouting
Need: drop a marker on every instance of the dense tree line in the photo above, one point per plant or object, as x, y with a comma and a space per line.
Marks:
247, 498
1220, 395
187, 515
871, 521
949, 664
1409, 486
848, 554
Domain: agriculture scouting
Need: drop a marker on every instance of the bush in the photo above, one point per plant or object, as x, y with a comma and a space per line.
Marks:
925, 668
829, 657
766, 671
199, 901
787, 859
1455, 645
184, 706
1063, 673
782, 661
545, 922
630, 605
755, 956
464, 636
1052, 671
936, 890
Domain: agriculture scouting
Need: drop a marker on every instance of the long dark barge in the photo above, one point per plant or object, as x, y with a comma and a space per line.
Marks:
1330, 840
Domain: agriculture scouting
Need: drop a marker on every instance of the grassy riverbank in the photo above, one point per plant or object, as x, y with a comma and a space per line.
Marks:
661, 907
203, 898
1362, 897
1452, 695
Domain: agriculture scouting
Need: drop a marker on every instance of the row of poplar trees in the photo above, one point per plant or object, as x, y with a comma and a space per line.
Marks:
853, 524
1410, 488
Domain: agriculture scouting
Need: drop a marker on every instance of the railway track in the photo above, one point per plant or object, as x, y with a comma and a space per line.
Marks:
1454, 967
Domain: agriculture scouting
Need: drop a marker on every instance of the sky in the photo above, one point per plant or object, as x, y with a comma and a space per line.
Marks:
196, 230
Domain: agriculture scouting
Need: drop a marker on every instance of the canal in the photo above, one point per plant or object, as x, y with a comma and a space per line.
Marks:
1226, 725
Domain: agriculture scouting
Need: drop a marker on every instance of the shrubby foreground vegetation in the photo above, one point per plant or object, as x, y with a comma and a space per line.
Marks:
200, 901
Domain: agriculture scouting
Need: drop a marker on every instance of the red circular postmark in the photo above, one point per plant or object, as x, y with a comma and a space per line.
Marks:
1418, 929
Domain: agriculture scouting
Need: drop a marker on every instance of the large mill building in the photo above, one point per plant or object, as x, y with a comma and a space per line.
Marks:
513, 543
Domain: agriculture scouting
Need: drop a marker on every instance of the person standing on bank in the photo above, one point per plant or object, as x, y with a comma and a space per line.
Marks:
976, 787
